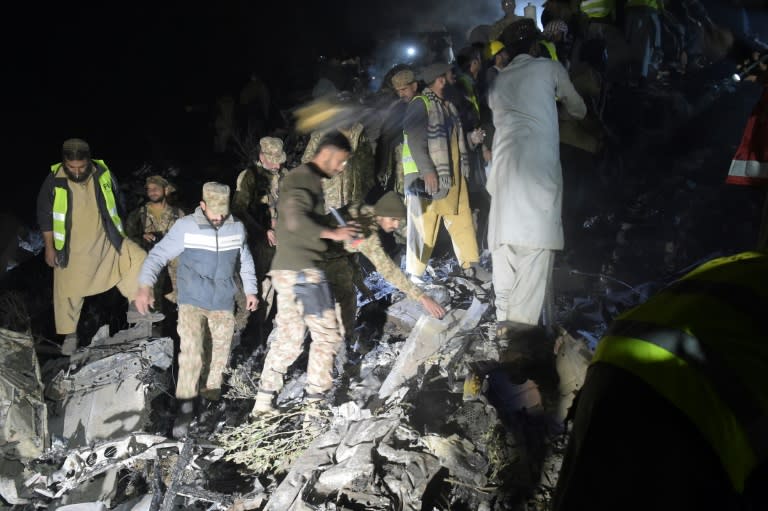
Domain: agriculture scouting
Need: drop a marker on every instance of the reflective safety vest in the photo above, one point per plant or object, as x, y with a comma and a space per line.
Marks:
61, 205
701, 344
654, 4
551, 49
409, 166
597, 8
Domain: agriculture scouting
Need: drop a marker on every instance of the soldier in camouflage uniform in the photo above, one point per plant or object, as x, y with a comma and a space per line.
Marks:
304, 299
147, 224
255, 204
385, 216
352, 185
341, 267
210, 245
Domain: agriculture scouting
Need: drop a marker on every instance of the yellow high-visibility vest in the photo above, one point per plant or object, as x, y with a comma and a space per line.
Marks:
61, 205
700, 344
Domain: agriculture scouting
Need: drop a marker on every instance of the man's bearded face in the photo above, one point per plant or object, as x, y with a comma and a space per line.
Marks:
155, 193
78, 170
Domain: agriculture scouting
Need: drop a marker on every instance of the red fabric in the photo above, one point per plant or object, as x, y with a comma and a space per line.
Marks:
750, 163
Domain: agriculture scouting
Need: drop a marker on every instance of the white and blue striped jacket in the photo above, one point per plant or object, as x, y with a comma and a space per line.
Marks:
208, 259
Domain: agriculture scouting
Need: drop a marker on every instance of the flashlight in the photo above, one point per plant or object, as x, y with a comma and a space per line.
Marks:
737, 77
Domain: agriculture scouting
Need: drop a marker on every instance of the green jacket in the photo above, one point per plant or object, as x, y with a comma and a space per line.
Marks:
701, 344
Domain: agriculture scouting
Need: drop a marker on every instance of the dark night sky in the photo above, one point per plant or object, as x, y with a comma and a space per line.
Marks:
118, 73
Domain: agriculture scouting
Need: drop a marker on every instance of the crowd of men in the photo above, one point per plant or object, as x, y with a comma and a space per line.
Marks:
472, 146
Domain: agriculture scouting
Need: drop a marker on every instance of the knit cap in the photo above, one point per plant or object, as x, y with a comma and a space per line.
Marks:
76, 149
390, 205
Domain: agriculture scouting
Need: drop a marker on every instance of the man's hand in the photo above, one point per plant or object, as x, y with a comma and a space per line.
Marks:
487, 155
144, 299
343, 233
251, 302
271, 238
50, 256
149, 237
431, 306
431, 185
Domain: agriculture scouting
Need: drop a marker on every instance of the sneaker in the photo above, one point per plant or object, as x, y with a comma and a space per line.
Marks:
263, 404
69, 344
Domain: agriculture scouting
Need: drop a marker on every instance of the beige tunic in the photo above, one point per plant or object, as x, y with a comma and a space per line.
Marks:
94, 264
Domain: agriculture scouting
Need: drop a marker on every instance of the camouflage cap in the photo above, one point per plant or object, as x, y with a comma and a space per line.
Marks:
390, 205
434, 71
216, 198
403, 78
76, 149
156, 180
272, 149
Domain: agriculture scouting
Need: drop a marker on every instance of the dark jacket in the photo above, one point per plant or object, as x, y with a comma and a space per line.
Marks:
301, 210
45, 208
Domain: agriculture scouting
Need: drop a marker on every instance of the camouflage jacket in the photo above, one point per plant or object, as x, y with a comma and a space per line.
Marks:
369, 245
140, 222
255, 198
352, 185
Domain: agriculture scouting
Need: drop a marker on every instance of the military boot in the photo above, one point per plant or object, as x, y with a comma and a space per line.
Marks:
184, 417
263, 404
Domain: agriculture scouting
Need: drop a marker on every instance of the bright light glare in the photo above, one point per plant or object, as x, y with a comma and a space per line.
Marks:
410, 51
736, 77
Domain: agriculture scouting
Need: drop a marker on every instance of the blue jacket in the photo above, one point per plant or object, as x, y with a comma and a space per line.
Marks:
208, 259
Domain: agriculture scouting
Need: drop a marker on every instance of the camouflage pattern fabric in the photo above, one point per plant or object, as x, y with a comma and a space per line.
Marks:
291, 328
357, 180
341, 277
192, 333
370, 246
139, 222
255, 204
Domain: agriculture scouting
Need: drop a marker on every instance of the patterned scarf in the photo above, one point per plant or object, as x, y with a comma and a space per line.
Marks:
438, 140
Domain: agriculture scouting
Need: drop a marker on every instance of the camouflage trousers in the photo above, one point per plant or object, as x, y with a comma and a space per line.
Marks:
341, 273
192, 336
292, 324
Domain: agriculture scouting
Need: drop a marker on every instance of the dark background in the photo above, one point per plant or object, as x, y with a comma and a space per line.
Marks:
119, 74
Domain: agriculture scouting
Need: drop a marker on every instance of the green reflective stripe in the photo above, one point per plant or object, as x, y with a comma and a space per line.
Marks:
551, 49
687, 388
409, 165
60, 204
468, 88
105, 182
597, 8
688, 348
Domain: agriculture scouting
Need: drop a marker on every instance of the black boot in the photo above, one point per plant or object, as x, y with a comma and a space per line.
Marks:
184, 417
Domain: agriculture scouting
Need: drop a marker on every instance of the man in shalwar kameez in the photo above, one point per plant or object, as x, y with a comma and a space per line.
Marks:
79, 211
526, 182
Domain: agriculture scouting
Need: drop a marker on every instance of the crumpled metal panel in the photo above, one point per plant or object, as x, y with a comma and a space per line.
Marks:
23, 414
458, 455
427, 339
107, 398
